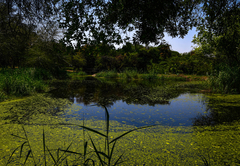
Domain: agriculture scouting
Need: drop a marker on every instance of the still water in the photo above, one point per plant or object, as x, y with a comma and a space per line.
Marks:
192, 128
179, 111
134, 102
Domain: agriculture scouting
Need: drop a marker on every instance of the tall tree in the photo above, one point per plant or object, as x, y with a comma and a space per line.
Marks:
19, 19
219, 31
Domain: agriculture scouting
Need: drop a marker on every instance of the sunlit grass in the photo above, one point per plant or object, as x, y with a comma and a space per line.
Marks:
134, 74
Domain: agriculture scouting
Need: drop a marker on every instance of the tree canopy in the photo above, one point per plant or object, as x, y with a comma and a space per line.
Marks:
28, 31
219, 31
106, 21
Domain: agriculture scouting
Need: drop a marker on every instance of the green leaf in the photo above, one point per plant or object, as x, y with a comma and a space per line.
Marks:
96, 151
87, 128
29, 152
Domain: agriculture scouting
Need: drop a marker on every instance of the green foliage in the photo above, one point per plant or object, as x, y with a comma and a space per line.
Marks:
2, 96
149, 76
78, 61
226, 80
220, 31
21, 82
114, 15
81, 73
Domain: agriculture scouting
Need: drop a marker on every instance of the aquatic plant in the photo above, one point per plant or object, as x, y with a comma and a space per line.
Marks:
104, 157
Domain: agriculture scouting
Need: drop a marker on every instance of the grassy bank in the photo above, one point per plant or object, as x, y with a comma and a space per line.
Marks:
133, 74
22, 82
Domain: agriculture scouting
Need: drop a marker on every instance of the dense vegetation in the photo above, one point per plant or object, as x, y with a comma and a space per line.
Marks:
40, 40
36, 36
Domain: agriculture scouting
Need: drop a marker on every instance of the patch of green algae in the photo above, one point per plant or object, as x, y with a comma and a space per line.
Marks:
159, 145
225, 100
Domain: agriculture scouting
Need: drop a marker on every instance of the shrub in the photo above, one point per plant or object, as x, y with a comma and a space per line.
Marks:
226, 80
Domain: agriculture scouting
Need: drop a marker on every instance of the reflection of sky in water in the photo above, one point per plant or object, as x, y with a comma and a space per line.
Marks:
180, 111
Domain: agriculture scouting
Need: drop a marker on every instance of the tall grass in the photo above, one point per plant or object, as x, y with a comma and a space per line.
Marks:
21, 82
104, 157
226, 80
134, 74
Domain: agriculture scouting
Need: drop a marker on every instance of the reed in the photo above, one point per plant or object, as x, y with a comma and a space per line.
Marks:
21, 82
104, 157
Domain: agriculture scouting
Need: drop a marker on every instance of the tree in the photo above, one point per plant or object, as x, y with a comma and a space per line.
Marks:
151, 18
219, 32
45, 51
78, 61
18, 22
104, 22
14, 35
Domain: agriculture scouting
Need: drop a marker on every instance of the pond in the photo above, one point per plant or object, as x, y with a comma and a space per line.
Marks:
191, 128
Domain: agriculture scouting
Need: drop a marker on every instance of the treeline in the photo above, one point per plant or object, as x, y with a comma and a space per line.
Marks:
158, 59
30, 36
26, 45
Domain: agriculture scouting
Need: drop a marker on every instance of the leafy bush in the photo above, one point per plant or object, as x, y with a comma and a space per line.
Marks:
226, 80
81, 73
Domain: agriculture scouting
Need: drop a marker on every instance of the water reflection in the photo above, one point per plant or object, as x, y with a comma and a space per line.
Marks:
217, 115
106, 92
133, 102
178, 111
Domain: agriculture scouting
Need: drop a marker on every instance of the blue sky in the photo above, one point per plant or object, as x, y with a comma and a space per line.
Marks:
181, 45
177, 44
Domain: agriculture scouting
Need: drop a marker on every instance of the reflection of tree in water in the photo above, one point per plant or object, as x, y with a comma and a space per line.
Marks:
23, 111
106, 92
217, 114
